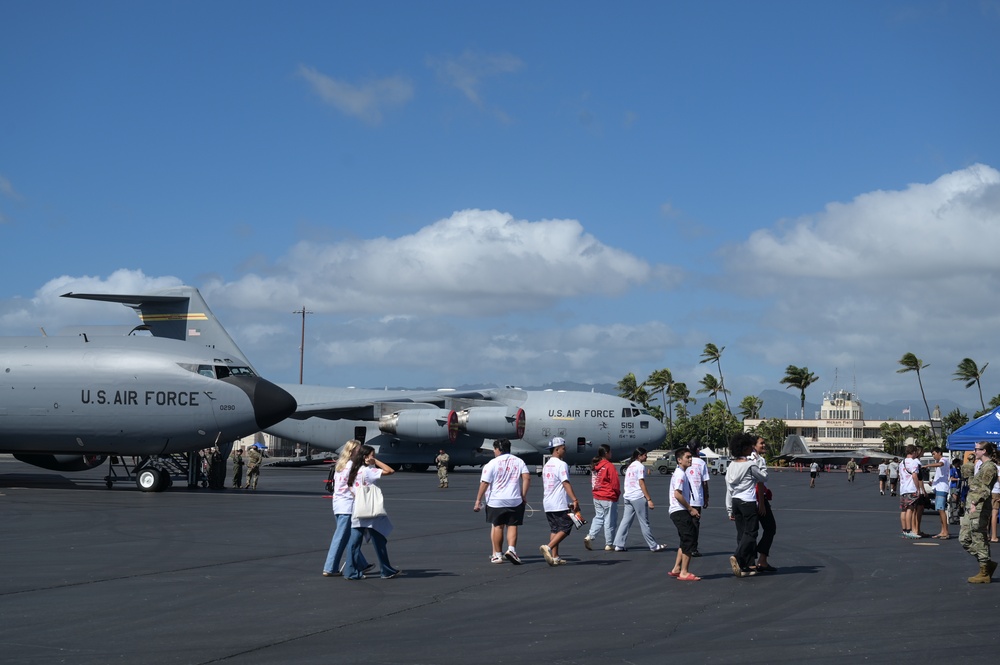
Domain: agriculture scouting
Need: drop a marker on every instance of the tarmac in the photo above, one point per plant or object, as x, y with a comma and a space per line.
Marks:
96, 575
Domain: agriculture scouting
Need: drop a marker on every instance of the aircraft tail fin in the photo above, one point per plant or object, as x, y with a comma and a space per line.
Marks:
794, 445
176, 313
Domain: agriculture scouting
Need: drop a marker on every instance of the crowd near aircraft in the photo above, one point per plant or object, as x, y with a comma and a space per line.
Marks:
408, 428
69, 403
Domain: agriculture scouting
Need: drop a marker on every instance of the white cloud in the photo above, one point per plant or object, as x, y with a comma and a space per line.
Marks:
476, 263
468, 71
366, 101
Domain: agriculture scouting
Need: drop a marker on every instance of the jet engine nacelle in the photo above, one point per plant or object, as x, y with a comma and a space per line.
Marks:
62, 462
424, 425
492, 422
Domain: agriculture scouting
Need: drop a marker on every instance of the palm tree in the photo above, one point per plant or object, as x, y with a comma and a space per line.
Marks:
630, 389
969, 372
711, 354
801, 378
661, 381
911, 363
681, 396
750, 407
713, 387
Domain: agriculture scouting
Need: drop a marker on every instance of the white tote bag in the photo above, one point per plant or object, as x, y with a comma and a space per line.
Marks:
368, 502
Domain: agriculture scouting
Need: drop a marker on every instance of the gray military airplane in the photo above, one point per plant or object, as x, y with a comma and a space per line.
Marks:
68, 403
407, 428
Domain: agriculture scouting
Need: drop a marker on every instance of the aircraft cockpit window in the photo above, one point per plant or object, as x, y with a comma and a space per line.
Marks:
241, 371
222, 371
628, 412
206, 370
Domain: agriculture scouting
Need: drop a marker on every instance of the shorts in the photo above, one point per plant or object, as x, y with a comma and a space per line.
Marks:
893, 481
505, 516
812, 474
881, 479
687, 531
559, 522
907, 501
941, 500
996, 502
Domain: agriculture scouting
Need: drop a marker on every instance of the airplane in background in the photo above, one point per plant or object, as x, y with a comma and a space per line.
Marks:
407, 428
69, 403
796, 449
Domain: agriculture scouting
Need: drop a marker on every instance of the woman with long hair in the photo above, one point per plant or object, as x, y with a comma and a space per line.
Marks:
638, 503
366, 470
343, 507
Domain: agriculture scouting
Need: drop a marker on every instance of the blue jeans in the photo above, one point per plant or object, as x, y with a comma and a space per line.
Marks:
339, 544
354, 567
606, 517
633, 509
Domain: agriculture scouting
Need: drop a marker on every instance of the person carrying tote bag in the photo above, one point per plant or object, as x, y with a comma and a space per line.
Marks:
367, 522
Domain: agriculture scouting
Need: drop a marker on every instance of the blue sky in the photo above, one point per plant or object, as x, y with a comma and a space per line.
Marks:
518, 193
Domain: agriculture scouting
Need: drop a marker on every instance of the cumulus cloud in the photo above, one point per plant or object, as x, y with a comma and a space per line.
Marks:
366, 101
861, 283
476, 263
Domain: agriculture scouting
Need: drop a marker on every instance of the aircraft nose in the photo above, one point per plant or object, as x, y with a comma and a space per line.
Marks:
271, 404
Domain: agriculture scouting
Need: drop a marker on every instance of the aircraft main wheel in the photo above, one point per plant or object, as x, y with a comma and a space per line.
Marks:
148, 480
165, 481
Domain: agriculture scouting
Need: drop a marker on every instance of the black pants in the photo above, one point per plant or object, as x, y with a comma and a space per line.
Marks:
769, 527
747, 524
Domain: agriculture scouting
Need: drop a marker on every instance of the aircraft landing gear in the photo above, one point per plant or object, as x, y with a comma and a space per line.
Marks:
149, 480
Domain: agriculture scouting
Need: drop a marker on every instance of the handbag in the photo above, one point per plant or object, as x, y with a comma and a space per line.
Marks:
368, 502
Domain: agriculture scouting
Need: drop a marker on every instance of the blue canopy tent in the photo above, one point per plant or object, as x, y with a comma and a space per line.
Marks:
983, 428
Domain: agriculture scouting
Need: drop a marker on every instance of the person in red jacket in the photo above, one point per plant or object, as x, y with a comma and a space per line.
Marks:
606, 488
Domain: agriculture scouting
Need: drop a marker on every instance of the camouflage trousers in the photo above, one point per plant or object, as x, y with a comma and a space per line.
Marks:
973, 533
442, 476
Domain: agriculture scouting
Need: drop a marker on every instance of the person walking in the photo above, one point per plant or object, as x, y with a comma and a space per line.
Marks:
697, 475
813, 472
883, 476
606, 489
741, 503
852, 466
558, 493
367, 470
343, 509
765, 514
504, 486
638, 503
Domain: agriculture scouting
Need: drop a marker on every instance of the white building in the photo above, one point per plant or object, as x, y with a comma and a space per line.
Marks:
840, 425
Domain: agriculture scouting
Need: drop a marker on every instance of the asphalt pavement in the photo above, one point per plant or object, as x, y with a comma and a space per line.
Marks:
92, 575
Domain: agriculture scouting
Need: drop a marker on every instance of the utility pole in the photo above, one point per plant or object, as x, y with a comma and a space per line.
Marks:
302, 344
302, 355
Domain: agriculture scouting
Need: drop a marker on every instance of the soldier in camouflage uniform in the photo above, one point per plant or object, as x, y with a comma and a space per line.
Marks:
237, 457
975, 522
442, 464
254, 458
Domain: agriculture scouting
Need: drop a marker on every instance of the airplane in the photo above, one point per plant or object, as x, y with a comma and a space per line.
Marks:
69, 403
797, 450
408, 428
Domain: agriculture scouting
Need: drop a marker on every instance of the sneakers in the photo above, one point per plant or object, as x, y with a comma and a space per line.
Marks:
696, 553
497, 558
586, 542
735, 565
547, 553
560, 562
609, 548
390, 576
511, 556
620, 549
911, 535
327, 573
659, 548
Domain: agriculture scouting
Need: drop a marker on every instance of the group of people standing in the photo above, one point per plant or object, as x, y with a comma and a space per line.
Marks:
252, 461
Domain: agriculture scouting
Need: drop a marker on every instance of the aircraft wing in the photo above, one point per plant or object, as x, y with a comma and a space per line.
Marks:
371, 408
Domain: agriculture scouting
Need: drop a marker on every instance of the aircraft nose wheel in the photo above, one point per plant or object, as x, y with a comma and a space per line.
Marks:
149, 480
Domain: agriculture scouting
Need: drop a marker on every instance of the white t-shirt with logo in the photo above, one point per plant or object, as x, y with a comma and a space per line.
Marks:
343, 497
906, 471
697, 475
554, 473
942, 475
680, 481
635, 472
503, 474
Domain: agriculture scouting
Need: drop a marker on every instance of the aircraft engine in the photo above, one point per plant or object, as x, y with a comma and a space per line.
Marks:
492, 422
62, 462
423, 425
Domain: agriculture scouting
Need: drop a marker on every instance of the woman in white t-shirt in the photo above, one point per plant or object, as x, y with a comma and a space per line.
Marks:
638, 503
366, 470
343, 506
